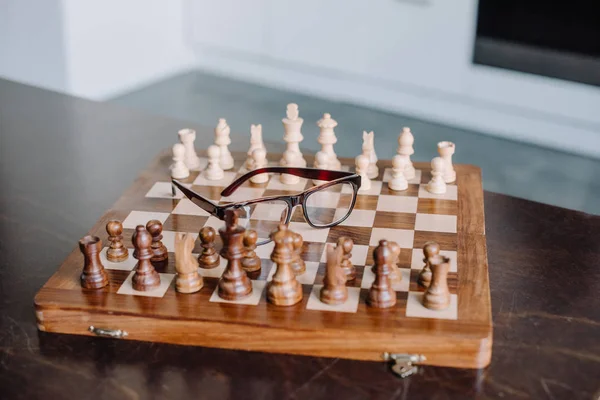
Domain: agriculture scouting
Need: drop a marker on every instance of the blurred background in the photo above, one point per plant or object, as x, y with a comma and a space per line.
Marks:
514, 83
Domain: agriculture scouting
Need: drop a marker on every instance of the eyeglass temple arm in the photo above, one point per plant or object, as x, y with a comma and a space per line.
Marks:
198, 200
308, 173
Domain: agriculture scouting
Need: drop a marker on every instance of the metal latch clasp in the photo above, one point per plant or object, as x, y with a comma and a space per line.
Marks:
404, 363
111, 333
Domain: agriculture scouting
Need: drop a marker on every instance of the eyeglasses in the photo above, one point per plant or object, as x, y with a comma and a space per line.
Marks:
323, 206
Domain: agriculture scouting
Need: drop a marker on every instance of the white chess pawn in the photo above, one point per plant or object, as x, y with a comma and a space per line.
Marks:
260, 161
191, 159
437, 185
223, 140
405, 149
398, 181
368, 149
446, 150
178, 168
321, 162
291, 160
362, 165
256, 142
214, 172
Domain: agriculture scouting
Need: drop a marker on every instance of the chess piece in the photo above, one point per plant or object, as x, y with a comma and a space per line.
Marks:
437, 295
431, 249
145, 276
208, 258
334, 290
395, 275
260, 161
446, 151
346, 244
188, 279
327, 139
214, 172
368, 149
321, 162
251, 262
256, 142
381, 294
234, 283
298, 264
187, 138
283, 289
398, 181
116, 252
437, 185
291, 160
223, 140
93, 275
405, 149
159, 250
362, 165
178, 168
292, 125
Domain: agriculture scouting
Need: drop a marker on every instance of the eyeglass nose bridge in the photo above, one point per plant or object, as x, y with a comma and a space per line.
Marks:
296, 200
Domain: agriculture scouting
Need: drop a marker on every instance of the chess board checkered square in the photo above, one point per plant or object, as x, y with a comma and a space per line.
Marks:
437, 206
397, 204
186, 207
387, 176
359, 235
451, 193
418, 263
349, 306
253, 298
126, 265
228, 177
164, 190
184, 223
436, 223
415, 308
136, 218
411, 191
210, 192
447, 241
394, 220
165, 282
364, 218
403, 286
404, 237
309, 233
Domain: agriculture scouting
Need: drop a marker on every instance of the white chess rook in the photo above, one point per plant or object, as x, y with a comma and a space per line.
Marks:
446, 151
292, 125
327, 139
187, 138
260, 161
223, 140
368, 149
214, 172
362, 165
398, 181
178, 168
256, 142
437, 185
405, 149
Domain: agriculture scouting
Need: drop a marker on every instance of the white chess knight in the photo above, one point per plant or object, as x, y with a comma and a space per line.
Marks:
327, 139
437, 185
398, 181
178, 168
187, 138
292, 124
446, 150
321, 162
368, 149
405, 149
256, 142
259, 157
362, 165
223, 140
214, 172
291, 160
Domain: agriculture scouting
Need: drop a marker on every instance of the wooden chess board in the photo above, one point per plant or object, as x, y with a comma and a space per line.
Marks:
460, 336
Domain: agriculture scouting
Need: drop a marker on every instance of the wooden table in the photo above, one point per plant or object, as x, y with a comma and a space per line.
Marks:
65, 160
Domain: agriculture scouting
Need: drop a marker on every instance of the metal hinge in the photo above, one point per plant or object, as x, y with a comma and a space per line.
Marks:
111, 333
404, 364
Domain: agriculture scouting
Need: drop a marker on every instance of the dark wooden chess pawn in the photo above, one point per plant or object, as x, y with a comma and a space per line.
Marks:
188, 279
283, 289
234, 283
251, 262
116, 252
395, 274
208, 258
298, 264
93, 275
346, 245
334, 290
430, 250
437, 295
160, 254
381, 294
145, 277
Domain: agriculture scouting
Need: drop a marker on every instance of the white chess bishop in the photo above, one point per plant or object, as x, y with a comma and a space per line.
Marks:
405, 149
259, 157
321, 162
362, 165
398, 181
178, 168
446, 151
368, 149
214, 172
437, 185
292, 124
327, 139
256, 142
187, 138
223, 140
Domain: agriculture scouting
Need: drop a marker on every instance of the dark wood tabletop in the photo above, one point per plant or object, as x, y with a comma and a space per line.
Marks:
65, 160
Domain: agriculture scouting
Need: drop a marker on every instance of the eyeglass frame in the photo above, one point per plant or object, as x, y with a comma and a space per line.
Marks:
331, 177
